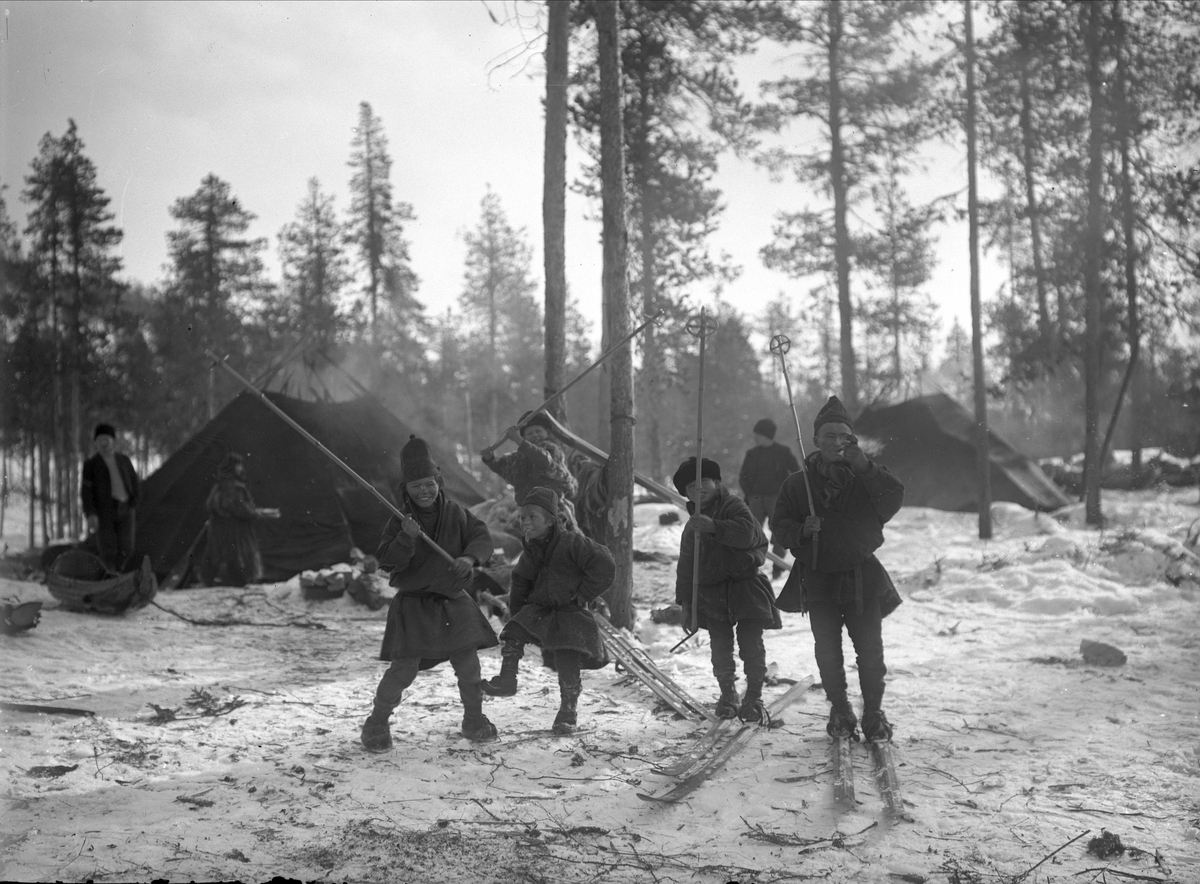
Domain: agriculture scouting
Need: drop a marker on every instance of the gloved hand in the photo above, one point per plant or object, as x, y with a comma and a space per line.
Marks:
687, 617
812, 525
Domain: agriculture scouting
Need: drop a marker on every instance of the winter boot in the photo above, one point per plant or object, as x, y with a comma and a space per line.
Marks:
842, 723
505, 684
475, 725
727, 705
875, 727
752, 710
568, 708
376, 734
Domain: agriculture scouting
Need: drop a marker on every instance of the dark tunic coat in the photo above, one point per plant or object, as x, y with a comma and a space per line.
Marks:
95, 485
432, 616
732, 589
532, 465
851, 530
231, 556
552, 584
765, 469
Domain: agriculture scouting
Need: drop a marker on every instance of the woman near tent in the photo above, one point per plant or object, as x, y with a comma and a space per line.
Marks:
231, 556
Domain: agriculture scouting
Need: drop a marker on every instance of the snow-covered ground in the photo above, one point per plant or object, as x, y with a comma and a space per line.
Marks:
226, 748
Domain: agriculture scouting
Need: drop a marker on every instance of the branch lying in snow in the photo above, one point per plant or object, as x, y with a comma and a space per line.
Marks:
231, 621
1025, 874
758, 833
1111, 871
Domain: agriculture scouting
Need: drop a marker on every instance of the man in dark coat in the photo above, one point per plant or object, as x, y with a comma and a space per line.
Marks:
837, 579
559, 573
766, 465
109, 489
733, 593
432, 618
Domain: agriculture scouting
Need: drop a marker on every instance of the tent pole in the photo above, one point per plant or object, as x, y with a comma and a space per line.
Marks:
391, 507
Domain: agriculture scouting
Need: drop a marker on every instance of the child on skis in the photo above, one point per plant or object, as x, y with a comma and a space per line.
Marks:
558, 574
734, 596
432, 618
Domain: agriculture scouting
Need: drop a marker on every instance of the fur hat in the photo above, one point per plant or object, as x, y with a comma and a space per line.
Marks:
104, 430
832, 412
542, 496
416, 462
686, 474
529, 419
765, 427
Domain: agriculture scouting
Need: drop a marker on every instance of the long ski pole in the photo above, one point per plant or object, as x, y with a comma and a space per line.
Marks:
699, 328
391, 507
579, 377
780, 345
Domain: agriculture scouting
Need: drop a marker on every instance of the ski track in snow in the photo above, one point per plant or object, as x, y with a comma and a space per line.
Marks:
1008, 746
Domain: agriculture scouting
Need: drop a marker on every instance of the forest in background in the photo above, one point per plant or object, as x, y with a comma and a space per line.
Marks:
1087, 116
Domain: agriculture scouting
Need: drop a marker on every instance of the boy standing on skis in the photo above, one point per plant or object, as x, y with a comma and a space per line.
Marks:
838, 580
432, 618
734, 596
558, 574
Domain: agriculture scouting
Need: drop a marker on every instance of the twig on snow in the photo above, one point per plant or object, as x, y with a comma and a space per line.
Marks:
1026, 873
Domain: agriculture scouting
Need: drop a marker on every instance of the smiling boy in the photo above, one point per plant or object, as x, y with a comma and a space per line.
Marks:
431, 618
559, 573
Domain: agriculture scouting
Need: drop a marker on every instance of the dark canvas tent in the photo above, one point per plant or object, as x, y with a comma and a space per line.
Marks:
929, 443
324, 511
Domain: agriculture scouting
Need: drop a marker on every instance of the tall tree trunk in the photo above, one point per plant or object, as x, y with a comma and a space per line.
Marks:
1045, 329
983, 461
1093, 466
841, 233
1126, 126
554, 202
652, 361
616, 314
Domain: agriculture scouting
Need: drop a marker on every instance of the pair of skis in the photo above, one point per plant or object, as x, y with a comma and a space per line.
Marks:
636, 662
716, 746
886, 780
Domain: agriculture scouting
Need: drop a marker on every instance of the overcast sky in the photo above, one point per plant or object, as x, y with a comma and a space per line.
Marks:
265, 95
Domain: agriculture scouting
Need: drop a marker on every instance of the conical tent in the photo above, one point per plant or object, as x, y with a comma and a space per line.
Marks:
929, 443
324, 511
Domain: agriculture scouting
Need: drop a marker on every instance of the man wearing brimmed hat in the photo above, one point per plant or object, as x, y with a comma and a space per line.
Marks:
431, 618
538, 461
763, 471
559, 574
735, 598
109, 489
846, 585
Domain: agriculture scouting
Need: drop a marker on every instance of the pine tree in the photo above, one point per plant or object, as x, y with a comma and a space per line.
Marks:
868, 100
395, 323
71, 242
215, 285
501, 316
681, 106
315, 271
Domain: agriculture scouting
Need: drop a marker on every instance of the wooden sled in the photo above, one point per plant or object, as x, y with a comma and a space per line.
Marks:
82, 582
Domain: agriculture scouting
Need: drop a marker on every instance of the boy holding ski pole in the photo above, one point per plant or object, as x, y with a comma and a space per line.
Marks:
847, 586
735, 598
432, 618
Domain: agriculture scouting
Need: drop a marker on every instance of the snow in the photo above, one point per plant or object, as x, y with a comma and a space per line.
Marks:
229, 751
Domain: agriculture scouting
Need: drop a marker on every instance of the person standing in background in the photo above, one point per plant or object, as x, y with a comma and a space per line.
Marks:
109, 491
763, 472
